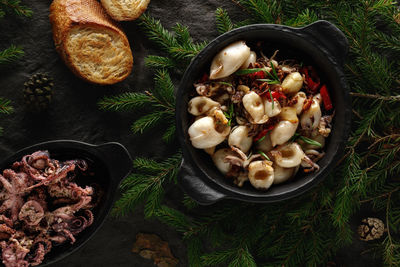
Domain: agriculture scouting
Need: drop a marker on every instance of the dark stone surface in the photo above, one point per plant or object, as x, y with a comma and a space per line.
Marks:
74, 115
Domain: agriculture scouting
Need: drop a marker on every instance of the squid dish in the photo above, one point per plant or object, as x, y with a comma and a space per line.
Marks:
42, 206
261, 120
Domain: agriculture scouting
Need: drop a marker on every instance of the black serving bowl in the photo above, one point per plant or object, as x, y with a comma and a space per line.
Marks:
319, 44
109, 162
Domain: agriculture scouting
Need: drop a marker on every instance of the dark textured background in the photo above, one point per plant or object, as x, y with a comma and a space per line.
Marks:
74, 115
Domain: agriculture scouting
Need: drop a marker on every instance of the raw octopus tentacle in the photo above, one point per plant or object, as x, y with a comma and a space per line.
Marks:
13, 254
28, 193
31, 212
5, 231
38, 255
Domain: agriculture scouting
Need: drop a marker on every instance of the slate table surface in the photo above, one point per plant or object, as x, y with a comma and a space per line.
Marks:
74, 115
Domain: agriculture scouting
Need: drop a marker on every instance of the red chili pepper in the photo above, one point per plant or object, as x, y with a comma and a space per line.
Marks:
204, 78
326, 98
310, 81
257, 75
275, 95
278, 95
263, 133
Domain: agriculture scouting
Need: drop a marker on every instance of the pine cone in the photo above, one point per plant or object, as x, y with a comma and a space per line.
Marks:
371, 229
38, 92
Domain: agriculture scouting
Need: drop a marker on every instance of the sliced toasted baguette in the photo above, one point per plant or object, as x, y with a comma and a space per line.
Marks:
90, 42
123, 10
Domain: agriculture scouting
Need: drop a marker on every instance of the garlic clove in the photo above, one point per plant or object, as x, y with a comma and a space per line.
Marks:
288, 155
261, 174
292, 83
200, 105
239, 138
229, 60
250, 60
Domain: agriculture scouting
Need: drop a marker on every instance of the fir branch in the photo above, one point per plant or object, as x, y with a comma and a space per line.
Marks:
174, 218
146, 185
125, 102
224, 23
161, 102
11, 54
156, 32
379, 97
265, 11
159, 62
15, 7
169, 134
147, 121
5, 106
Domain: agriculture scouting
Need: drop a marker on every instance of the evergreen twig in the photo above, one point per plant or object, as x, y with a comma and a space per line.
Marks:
14, 6
11, 54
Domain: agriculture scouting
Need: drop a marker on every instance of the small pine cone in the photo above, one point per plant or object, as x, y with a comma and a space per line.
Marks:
371, 229
38, 92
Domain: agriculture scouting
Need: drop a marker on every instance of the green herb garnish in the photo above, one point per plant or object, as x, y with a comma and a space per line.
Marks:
230, 114
260, 140
249, 71
264, 155
225, 83
305, 140
272, 99
269, 81
274, 72
310, 141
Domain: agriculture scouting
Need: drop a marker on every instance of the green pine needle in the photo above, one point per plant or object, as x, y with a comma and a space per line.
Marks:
224, 23
15, 7
11, 54
5, 106
125, 102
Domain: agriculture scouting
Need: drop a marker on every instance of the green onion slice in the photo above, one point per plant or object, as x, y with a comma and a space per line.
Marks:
264, 155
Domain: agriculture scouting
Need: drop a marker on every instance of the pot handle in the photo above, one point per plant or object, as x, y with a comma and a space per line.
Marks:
326, 33
196, 188
118, 159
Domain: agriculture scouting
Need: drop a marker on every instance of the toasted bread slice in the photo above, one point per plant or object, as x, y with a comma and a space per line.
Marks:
91, 44
125, 9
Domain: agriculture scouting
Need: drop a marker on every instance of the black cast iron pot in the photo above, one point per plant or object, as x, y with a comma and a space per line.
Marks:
319, 44
110, 162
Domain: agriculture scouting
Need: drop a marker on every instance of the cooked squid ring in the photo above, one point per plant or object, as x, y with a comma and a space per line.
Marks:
261, 174
288, 155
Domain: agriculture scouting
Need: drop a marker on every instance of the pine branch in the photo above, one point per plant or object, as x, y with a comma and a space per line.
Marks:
159, 62
5, 106
224, 23
160, 102
15, 7
379, 97
146, 186
177, 44
125, 102
267, 11
10, 54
